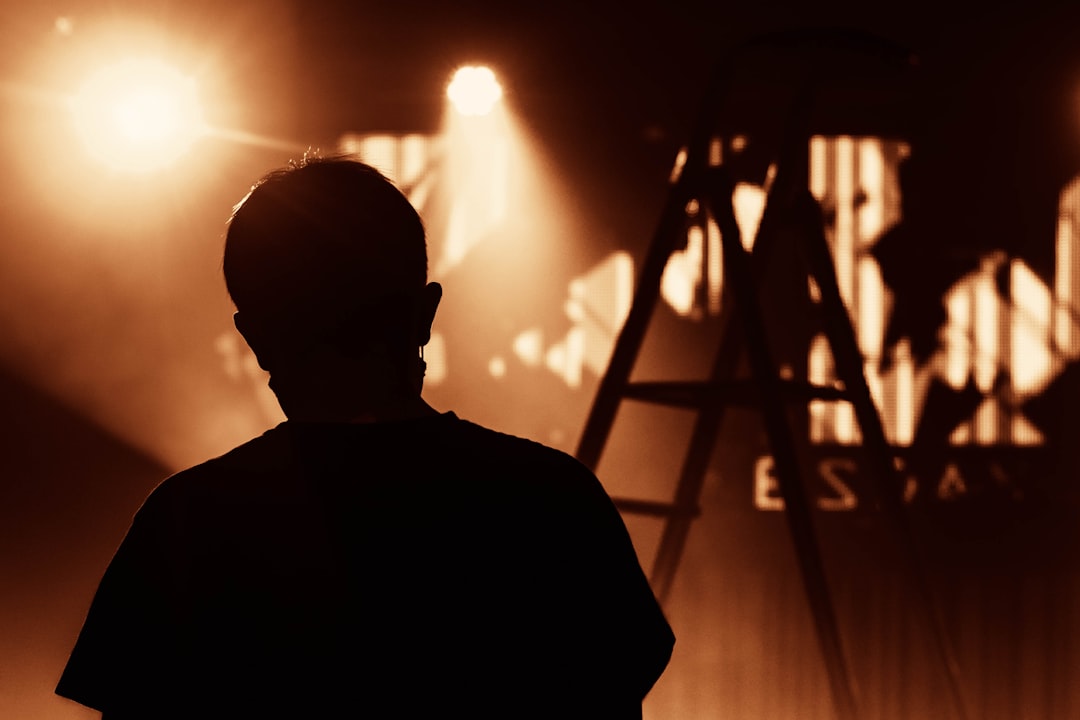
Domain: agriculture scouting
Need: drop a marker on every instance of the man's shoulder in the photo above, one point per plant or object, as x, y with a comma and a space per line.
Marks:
483, 435
267, 465
504, 447
253, 462
522, 465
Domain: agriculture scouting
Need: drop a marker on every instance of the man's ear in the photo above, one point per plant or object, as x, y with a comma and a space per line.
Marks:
429, 304
252, 338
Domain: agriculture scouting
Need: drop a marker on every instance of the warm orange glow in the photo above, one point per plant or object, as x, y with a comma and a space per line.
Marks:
597, 306
474, 90
138, 115
64, 25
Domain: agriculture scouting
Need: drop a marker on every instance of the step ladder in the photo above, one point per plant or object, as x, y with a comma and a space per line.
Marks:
704, 179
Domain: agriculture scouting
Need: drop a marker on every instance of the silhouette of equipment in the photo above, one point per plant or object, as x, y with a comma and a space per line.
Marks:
708, 178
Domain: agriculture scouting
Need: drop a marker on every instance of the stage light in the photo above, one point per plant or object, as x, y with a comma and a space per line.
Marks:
474, 90
138, 115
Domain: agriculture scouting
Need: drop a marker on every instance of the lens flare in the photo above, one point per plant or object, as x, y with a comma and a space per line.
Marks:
138, 115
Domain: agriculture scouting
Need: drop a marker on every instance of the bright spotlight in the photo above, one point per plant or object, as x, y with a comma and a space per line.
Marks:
138, 115
474, 90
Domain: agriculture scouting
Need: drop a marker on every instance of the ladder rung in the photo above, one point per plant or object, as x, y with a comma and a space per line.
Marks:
693, 394
656, 508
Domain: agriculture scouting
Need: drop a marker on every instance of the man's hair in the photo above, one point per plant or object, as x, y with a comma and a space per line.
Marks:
323, 237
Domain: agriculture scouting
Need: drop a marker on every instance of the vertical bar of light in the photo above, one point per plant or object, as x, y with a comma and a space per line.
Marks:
1067, 308
380, 151
958, 335
1031, 358
716, 152
818, 368
715, 271
844, 257
903, 362
987, 311
959, 344
871, 288
905, 394
844, 241
695, 250
417, 164
817, 362
414, 158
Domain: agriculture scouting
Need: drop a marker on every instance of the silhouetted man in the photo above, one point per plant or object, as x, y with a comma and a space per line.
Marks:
370, 556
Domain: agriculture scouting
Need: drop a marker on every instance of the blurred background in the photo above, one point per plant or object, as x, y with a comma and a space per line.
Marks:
944, 151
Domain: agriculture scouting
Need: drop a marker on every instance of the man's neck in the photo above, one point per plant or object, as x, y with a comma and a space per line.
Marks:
303, 410
328, 386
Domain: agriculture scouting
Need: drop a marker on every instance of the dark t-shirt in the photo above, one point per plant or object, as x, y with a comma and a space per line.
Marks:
404, 569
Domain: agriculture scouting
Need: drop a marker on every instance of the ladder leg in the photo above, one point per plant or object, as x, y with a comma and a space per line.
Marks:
887, 493
738, 271
696, 463
613, 385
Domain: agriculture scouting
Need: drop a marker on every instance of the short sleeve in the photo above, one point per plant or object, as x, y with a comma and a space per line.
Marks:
631, 640
129, 635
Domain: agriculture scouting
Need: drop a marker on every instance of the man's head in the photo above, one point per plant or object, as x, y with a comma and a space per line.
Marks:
328, 254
